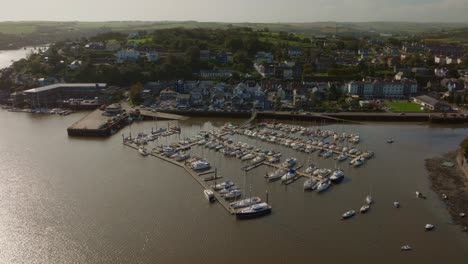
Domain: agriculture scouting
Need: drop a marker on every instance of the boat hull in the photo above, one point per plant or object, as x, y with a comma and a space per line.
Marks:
243, 216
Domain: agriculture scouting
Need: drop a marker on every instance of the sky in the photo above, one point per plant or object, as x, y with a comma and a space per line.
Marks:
236, 10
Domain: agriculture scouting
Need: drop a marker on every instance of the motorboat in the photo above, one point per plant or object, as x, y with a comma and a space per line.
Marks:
310, 169
390, 140
396, 204
182, 157
369, 199
337, 176
322, 186
246, 202
143, 152
258, 159
310, 184
248, 156
348, 214
232, 194
341, 157
358, 163
200, 165
289, 163
273, 159
420, 195
322, 173
406, 248
209, 194
327, 154
223, 185
364, 208
429, 227
444, 196
289, 175
275, 174
253, 211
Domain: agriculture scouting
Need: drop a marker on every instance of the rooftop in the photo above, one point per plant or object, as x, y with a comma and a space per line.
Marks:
65, 85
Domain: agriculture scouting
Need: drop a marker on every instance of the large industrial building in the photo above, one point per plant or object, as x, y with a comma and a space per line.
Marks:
50, 95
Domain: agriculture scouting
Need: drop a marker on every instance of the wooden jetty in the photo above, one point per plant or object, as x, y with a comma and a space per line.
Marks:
194, 175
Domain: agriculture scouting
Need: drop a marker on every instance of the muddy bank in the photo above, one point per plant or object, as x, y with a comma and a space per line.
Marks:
453, 183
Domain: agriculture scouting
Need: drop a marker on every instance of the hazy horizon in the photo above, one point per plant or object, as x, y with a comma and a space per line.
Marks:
241, 11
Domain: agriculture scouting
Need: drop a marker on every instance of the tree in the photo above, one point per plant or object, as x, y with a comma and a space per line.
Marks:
135, 93
193, 55
242, 61
277, 103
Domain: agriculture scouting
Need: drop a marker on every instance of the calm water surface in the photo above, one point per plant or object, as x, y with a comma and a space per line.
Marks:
8, 56
70, 200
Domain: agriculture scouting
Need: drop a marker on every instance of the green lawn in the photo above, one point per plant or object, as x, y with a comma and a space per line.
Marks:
403, 106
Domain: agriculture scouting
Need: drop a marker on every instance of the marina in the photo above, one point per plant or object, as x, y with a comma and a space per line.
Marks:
289, 171
150, 201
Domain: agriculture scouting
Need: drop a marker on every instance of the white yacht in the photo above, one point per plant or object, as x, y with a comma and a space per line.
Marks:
200, 165
348, 214
310, 184
288, 176
429, 227
310, 169
232, 194
289, 163
246, 202
364, 208
255, 210
258, 159
342, 157
337, 176
275, 174
209, 195
248, 156
322, 186
223, 185
143, 152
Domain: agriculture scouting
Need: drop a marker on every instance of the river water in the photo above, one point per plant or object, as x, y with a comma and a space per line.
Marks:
8, 56
75, 200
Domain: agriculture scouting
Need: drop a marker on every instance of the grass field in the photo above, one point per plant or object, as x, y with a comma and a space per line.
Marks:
403, 106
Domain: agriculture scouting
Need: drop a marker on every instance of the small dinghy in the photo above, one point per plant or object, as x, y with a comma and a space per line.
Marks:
406, 248
429, 227
364, 209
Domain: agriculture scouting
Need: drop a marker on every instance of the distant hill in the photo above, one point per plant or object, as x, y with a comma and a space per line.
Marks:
17, 34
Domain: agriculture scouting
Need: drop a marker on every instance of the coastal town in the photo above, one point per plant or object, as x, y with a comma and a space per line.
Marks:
332, 132
240, 69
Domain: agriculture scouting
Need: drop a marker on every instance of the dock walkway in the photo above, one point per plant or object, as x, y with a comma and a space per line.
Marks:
194, 175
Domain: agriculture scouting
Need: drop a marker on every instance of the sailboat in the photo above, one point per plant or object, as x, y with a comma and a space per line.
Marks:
251, 207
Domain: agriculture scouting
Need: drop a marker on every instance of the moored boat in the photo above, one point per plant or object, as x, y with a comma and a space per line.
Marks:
246, 202
275, 174
348, 214
364, 208
209, 195
310, 184
289, 175
322, 186
253, 211
337, 176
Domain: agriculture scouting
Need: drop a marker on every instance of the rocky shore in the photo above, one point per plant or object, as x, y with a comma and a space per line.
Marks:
451, 183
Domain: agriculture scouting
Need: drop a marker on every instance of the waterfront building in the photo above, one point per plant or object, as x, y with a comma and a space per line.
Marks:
49, 95
430, 103
383, 89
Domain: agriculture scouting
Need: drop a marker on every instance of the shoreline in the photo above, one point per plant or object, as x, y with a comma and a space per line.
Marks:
452, 182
